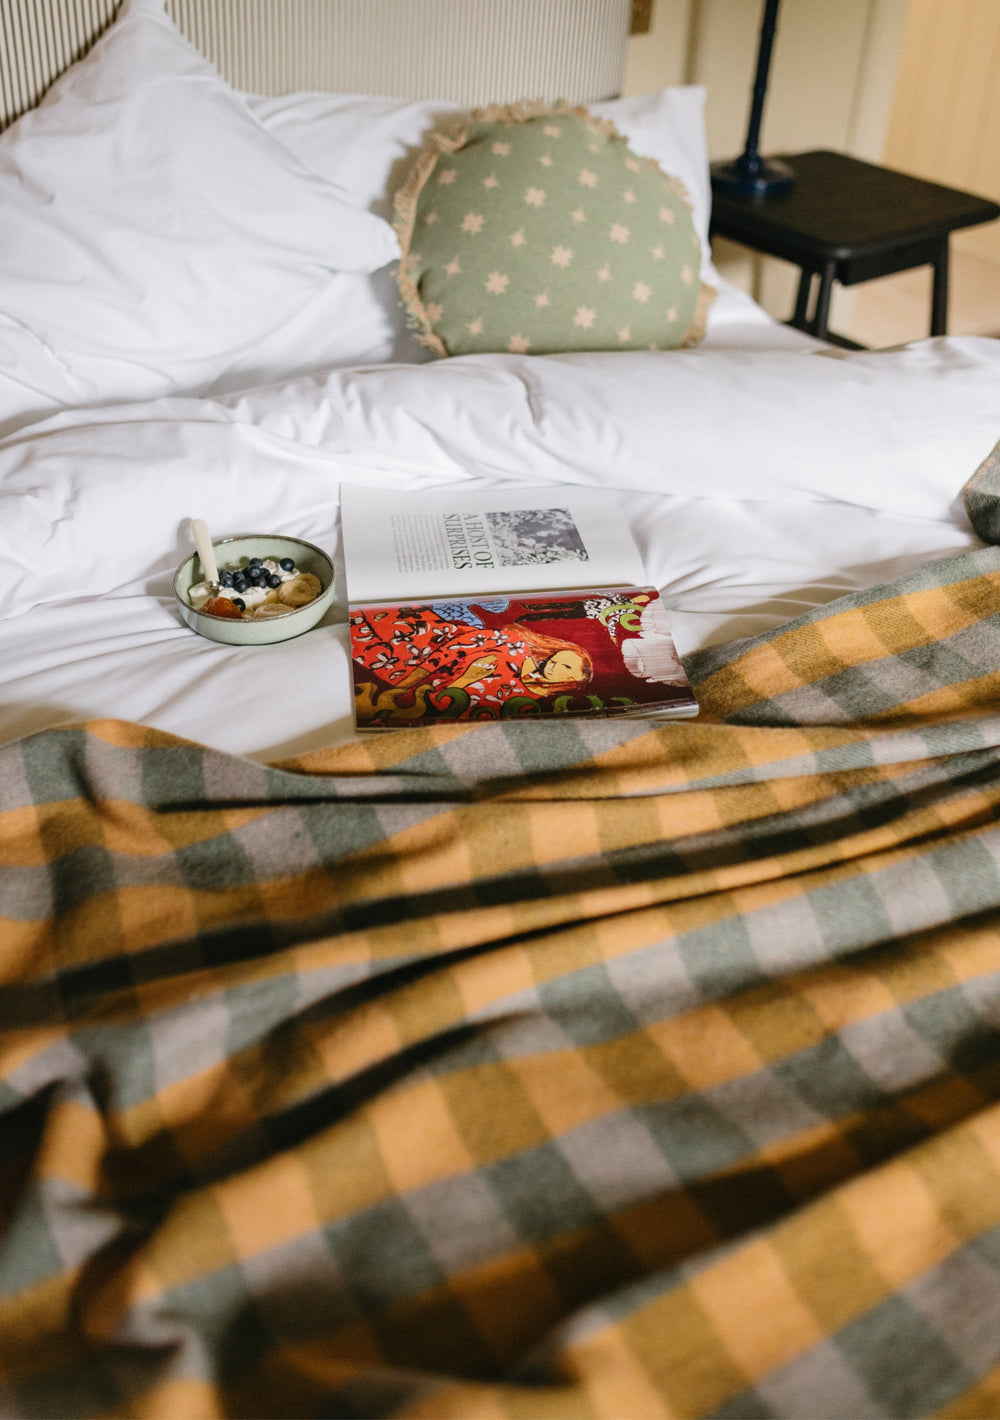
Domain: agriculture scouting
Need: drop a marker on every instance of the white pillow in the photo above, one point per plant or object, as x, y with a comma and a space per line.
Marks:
153, 233
365, 146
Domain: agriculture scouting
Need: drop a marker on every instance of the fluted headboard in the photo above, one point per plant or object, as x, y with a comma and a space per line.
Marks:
470, 51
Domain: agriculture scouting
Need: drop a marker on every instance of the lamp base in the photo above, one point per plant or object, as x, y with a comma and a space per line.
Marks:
752, 177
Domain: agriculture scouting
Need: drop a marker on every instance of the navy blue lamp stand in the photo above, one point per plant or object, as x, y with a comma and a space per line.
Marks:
750, 175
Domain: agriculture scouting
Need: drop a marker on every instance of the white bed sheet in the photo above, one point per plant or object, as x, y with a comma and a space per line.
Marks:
855, 466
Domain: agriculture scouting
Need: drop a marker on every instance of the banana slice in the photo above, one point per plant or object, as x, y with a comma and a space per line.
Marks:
300, 590
266, 610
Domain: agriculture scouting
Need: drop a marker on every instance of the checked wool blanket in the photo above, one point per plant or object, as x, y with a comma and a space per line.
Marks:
565, 1069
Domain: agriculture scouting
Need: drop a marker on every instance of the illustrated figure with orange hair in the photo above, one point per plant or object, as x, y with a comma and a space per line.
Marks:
430, 649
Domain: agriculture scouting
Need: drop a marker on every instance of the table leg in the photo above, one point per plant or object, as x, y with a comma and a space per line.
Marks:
939, 294
802, 302
818, 325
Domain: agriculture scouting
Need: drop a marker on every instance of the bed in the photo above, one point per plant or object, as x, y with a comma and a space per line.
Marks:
562, 1069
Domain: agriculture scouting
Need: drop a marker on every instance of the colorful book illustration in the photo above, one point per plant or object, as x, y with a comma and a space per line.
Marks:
498, 622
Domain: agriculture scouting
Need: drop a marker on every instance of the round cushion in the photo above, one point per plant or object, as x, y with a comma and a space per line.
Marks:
535, 230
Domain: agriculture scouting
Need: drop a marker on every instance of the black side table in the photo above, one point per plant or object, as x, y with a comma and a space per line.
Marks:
849, 221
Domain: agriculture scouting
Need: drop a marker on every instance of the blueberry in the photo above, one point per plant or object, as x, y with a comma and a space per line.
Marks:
240, 584
225, 578
286, 564
238, 601
274, 580
255, 562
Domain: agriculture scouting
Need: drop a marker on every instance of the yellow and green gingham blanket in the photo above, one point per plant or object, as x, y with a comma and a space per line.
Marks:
562, 1069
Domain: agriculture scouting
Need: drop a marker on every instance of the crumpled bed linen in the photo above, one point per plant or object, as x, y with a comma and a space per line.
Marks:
756, 486
894, 431
577, 1069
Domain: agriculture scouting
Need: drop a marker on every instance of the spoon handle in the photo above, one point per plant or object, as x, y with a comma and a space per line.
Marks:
203, 542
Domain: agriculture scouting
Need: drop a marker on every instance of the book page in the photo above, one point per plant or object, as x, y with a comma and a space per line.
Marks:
454, 543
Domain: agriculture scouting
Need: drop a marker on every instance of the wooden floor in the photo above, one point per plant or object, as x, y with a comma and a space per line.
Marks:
897, 308
891, 311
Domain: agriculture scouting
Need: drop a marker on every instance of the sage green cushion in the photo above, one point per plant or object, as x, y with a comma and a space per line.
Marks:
539, 230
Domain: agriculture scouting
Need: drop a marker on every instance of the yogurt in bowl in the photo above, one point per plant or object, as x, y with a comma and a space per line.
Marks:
271, 589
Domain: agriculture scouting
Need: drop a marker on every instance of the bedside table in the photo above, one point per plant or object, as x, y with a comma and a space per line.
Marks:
849, 221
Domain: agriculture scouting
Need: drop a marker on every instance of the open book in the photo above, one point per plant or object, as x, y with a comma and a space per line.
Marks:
499, 605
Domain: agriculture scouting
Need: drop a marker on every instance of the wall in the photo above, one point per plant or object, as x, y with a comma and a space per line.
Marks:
950, 65
831, 84
660, 58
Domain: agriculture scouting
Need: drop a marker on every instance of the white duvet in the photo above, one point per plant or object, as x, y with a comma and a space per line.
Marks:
757, 484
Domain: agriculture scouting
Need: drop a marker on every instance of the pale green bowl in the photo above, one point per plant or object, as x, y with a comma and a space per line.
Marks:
307, 557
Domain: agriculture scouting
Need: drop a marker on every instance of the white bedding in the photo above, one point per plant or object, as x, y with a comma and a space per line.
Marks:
756, 487
255, 355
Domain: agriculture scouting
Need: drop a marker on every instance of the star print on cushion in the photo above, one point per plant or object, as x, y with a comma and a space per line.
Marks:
604, 256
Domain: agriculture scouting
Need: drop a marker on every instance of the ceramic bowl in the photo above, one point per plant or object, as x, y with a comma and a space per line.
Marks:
231, 551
